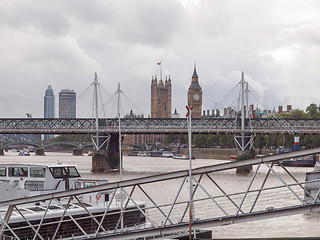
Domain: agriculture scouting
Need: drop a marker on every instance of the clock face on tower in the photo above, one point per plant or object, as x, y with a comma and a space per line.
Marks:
196, 97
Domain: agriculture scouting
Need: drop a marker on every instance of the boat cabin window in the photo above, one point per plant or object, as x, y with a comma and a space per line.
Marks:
18, 172
60, 172
77, 185
89, 184
3, 171
73, 172
37, 172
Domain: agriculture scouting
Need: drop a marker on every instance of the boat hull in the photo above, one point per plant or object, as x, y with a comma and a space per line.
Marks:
182, 157
68, 228
298, 163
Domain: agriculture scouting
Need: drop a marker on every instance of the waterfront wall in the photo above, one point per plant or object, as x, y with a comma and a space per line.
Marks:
213, 153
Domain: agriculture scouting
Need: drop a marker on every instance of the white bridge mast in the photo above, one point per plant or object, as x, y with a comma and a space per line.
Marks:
95, 139
246, 141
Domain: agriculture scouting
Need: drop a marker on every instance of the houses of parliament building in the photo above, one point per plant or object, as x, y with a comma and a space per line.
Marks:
161, 105
161, 97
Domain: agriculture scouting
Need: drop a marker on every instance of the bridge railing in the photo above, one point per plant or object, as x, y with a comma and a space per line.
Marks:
219, 197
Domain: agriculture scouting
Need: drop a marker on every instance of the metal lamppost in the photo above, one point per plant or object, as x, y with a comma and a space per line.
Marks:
189, 115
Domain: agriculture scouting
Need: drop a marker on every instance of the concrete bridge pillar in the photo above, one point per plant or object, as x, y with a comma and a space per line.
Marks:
243, 155
40, 152
77, 152
1, 149
106, 159
245, 148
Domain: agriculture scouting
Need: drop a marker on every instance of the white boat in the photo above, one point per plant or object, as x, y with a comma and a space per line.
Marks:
19, 181
182, 156
167, 154
142, 154
24, 152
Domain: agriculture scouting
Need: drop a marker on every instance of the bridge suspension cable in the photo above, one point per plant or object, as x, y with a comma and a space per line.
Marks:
245, 106
126, 106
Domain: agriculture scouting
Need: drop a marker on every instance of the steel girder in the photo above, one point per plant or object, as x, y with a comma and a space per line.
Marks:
157, 126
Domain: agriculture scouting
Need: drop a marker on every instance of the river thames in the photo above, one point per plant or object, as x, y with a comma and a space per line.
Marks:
302, 225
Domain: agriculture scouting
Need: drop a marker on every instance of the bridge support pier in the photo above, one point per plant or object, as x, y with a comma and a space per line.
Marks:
77, 152
107, 158
1, 149
40, 152
245, 144
244, 155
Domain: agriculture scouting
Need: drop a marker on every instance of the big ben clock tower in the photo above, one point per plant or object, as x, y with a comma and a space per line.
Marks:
195, 95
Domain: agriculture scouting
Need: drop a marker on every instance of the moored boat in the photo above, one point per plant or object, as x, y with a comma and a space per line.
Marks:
65, 217
167, 154
182, 156
142, 154
306, 161
24, 152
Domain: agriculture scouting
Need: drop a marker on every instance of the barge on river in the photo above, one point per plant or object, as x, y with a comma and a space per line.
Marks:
306, 161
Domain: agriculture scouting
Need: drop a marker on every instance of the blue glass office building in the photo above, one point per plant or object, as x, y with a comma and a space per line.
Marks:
49, 111
49, 107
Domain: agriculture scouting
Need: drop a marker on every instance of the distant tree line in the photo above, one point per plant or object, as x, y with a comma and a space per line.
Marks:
261, 141
201, 140
224, 140
72, 138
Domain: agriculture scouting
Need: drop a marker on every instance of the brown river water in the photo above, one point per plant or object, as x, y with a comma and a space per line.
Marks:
302, 225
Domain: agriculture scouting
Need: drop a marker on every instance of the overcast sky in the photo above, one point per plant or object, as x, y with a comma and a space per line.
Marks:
64, 42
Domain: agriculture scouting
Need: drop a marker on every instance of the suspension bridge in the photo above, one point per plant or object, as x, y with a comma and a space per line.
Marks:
107, 132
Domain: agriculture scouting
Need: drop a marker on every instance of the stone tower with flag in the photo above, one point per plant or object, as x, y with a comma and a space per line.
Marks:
160, 98
195, 95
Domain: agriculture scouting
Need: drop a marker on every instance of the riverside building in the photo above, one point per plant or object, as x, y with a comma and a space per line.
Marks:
160, 98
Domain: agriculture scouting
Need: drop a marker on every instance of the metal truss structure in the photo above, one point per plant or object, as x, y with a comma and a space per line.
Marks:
270, 191
205, 125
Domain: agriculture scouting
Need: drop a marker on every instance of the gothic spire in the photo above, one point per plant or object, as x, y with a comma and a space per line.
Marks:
195, 75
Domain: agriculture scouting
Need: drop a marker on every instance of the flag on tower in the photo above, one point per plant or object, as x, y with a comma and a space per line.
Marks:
159, 63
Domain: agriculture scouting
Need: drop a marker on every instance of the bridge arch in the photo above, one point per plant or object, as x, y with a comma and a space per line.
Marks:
33, 144
72, 144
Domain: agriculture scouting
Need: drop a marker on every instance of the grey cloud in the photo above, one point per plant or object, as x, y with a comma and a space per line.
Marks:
306, 34
148, 22
64, 42
35, 16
